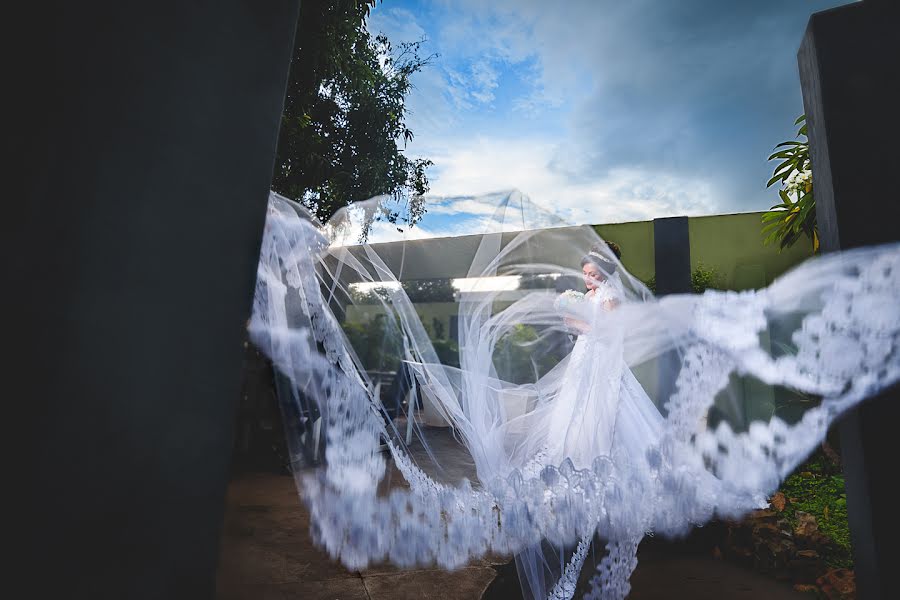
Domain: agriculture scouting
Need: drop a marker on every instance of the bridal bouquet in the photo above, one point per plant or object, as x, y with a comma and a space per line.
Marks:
567, 300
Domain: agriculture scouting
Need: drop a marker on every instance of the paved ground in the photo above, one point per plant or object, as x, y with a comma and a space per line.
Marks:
267, 554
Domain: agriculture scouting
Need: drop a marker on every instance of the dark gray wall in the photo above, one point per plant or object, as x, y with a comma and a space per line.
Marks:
849, 66
672, 252
148, 160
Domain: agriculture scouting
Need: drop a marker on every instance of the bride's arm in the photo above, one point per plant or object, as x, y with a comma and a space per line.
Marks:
577, 324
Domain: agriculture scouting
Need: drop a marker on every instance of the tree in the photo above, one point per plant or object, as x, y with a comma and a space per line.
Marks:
538, 281
429, 290
343, 130
419, 291
702, 278
377, 342
522, 355
787, 222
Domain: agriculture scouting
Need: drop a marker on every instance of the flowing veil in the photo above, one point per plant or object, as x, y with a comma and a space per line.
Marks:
504, 455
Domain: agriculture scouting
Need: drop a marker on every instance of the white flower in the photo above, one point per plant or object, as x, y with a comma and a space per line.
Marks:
567, 299
797, 181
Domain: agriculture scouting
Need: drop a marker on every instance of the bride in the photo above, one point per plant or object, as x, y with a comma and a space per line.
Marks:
610, 440
600, 402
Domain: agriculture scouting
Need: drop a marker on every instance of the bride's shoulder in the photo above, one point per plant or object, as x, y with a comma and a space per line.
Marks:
604, 291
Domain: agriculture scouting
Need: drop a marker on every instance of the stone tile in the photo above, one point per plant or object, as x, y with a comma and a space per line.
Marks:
267, 554
263, 489
700, 578
251, 564
389, 569
464, 584
276, 557
336, 589
266, 526
315, 567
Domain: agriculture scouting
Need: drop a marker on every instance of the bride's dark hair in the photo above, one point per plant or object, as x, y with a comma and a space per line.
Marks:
611, 245
598, 256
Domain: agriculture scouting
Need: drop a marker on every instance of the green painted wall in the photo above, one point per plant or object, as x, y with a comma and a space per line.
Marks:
733, 245
636, 242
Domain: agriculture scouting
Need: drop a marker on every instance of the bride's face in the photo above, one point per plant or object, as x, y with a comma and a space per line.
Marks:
592, 276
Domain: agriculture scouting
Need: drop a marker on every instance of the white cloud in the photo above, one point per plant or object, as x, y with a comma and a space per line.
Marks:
474, 88
458, 205
625, 194
434, 101
484, 77
623, 110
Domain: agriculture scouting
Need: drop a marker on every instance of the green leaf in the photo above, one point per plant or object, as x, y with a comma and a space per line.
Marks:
772, 227
774, 236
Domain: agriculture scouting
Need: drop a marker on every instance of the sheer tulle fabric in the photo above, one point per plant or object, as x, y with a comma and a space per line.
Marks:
657, 417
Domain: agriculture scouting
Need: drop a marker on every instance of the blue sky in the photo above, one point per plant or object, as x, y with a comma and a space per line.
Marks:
600, 111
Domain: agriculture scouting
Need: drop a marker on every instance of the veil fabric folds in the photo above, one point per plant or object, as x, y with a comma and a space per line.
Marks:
554, 421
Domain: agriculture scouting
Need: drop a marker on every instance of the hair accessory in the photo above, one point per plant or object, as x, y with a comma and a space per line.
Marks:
600, 256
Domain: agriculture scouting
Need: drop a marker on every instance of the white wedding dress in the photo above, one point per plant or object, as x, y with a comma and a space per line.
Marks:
610, 440
601, 406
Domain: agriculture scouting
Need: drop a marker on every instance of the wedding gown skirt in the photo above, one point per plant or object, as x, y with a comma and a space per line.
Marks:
597, 450
599, 410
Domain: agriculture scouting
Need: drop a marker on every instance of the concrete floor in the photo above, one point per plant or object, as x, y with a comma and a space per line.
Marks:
267, 554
